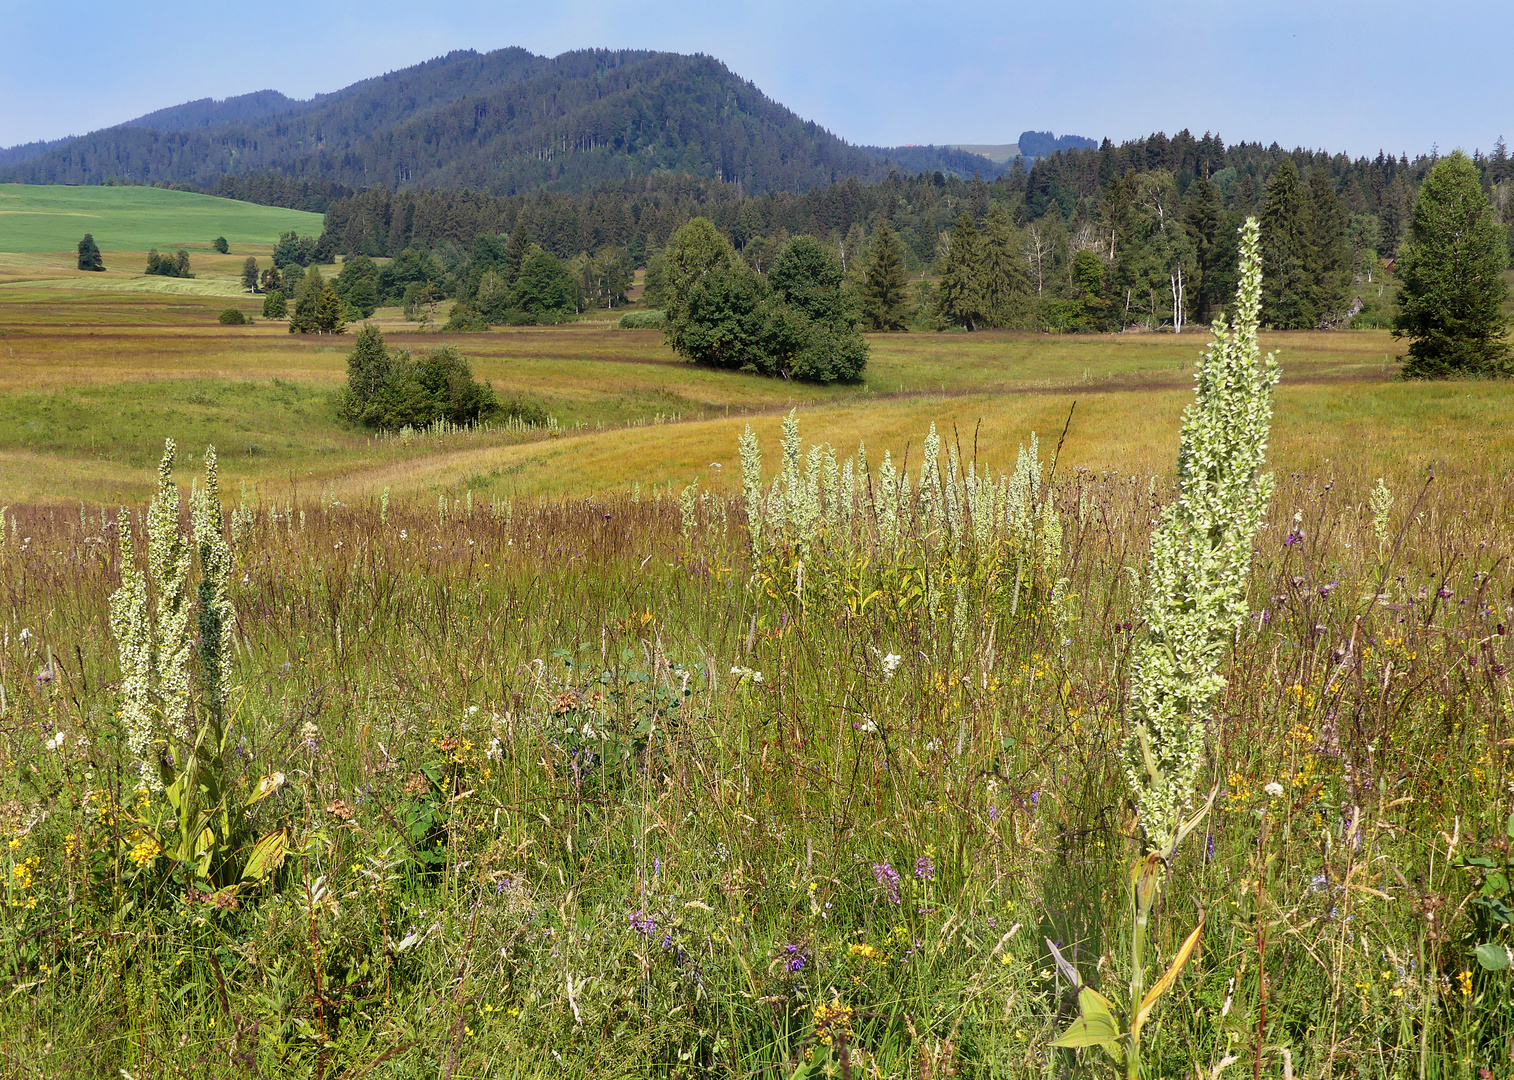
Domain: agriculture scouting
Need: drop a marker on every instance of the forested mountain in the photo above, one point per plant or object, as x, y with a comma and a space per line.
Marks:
501, 122
208, 112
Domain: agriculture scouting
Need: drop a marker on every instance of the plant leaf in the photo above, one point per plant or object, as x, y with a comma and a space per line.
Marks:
1492, 956
1095, 1026
1149, 1001
267, 855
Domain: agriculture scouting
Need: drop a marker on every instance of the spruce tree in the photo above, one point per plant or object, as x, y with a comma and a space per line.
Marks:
1285, 282
1327, 259
885, 291
516, 252
1451, 265
89, 254
1204, 219
1003, 278
305, 318
959, 299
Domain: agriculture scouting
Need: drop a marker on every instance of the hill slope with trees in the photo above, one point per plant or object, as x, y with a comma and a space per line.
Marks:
501, 122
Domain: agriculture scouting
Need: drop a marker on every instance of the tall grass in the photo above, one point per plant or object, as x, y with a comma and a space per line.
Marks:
569, 791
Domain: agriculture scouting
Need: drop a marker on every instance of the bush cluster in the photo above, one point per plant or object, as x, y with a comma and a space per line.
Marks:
234, 317
392, 389
643, 320
795, 322
175, 265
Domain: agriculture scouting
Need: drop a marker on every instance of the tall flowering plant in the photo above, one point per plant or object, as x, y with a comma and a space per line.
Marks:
1195, 601
173, 676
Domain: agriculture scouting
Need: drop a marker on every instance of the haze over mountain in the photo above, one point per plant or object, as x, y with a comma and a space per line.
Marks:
506, 121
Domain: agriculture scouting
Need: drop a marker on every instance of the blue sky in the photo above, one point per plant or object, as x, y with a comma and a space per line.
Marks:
1332, 74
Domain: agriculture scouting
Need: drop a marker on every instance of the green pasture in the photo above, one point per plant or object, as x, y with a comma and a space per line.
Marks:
53, 217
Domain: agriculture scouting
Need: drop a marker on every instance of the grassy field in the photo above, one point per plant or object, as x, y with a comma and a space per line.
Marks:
37, 218
532, 766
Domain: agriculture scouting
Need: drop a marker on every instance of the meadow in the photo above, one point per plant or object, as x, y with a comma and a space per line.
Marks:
531, 763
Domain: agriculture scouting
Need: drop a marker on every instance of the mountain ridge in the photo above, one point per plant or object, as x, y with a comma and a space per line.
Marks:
503, 121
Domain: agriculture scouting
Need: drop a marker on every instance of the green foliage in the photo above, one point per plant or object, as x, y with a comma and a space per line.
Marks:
250, 274
317, 307
959, 298
89, 254
885, 294
294, 250
642, 320
274, 305
545, 287
357, 285
175, 265
391, 390
795, 323
220, 245
233, 317
1453, 294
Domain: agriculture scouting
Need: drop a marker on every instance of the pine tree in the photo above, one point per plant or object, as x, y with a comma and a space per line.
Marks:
1452, 263
89, 254
250, 274
1285, 282
885, 292
959, 299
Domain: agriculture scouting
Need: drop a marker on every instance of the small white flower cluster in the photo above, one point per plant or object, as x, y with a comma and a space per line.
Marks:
1201, 553
959, 508
891, 664
746, 674
154, 641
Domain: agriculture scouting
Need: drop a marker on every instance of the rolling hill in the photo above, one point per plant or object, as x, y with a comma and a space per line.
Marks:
506, 121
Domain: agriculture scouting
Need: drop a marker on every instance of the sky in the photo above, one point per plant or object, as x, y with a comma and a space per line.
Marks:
1338, 75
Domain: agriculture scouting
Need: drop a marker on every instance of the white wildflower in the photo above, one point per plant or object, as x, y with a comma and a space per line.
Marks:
1274, 790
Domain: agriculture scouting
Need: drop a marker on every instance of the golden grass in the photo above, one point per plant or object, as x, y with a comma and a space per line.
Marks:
88, 348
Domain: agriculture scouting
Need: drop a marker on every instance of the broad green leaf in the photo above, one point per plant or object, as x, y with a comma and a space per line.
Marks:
1149, 1001
267, 856
1492, 956
1509, 828
1095, 1026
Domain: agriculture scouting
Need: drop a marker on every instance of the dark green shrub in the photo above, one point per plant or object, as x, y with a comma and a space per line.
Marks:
234, 317
220, 245
391, 389
274, 306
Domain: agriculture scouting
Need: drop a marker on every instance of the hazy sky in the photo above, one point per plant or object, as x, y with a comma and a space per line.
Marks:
1329, 74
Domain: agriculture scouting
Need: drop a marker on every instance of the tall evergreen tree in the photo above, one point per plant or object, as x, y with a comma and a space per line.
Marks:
1204, 218
89, 254
959, 298
517, 251
1327, 259
1452, 264
1004, 279
885, 291
1285, 280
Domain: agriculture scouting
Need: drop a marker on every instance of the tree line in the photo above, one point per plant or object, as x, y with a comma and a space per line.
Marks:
1152, 219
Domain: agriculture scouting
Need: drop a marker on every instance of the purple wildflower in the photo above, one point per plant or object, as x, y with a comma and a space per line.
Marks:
888, 877
925, 868
796, 958
642, 923
993, 814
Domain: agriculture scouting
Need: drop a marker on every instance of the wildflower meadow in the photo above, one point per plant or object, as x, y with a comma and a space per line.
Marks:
876, 765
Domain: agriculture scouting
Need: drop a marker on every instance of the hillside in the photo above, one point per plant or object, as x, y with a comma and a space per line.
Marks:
34, 218
502, 122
